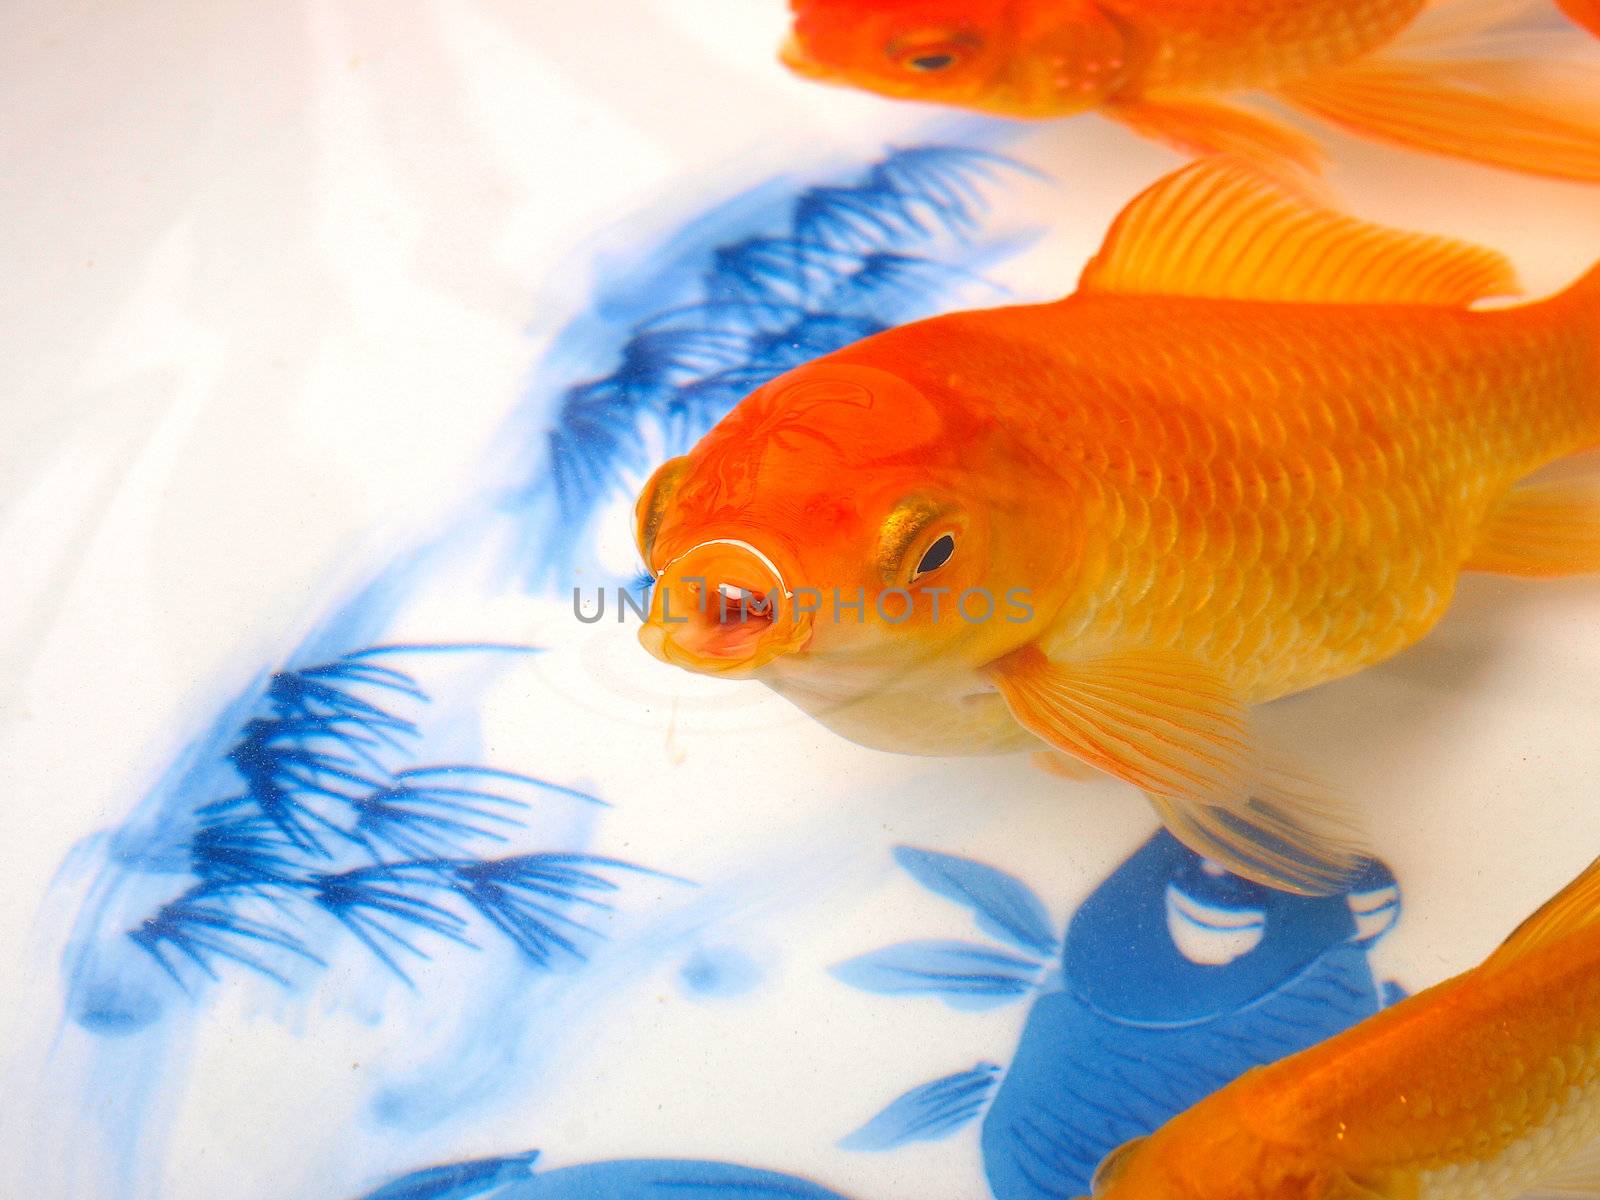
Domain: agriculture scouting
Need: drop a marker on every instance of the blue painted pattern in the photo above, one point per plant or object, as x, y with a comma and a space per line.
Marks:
1174, 978
327, 814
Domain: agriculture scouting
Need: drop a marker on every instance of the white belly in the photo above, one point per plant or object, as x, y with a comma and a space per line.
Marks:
1533, 1159
931, 722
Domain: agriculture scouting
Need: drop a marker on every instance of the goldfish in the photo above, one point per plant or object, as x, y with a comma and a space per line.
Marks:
1251, 454
1481, 1087
1399, 71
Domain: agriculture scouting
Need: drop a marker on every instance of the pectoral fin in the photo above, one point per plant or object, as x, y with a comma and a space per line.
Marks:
1170, 726
1064, 766
1542, 530
1205, 127
1578, 1178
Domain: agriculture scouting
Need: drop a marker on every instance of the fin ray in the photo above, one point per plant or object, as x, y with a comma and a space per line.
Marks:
1481, 110
1205, 127
1171, 727
1542, 531
1221, 229
1578, 1178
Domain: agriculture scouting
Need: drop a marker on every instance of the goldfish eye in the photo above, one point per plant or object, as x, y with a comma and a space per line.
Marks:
928, 53
936, 555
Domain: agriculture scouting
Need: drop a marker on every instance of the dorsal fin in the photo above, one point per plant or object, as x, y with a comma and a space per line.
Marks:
1223, 230
1575, 907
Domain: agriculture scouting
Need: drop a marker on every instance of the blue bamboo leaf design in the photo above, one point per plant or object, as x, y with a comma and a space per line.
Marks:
963, 974
1003, 905
247, 849
930, 1112
331, 820
371, 904
204, 927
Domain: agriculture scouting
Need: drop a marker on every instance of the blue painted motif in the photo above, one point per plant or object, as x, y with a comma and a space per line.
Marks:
327, 814
1174, 978
720, 971
929, 1112
629, 1179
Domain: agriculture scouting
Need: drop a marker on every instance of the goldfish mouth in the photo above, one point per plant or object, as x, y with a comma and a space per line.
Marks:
723, 609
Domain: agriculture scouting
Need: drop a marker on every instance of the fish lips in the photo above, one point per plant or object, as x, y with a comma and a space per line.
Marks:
722, 608
733, 648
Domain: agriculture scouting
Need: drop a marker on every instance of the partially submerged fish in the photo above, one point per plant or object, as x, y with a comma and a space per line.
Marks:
1479, 1089
1251, 454
1172, 70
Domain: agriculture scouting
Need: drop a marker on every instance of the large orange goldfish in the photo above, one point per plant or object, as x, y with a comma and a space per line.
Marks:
1170, 69
1251, 454
1481, 1088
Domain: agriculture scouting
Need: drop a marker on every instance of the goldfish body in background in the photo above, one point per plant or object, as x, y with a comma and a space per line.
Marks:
1480, 1088
1250, 455
1385, 69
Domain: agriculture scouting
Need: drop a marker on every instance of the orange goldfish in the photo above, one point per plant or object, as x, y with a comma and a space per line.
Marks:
1478, 1089
1251, 454
1169, 69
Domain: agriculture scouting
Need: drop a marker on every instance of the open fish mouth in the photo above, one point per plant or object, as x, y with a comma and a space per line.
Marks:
722, 608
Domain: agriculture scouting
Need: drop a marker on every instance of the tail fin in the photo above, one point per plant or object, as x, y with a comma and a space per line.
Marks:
1441, 88
1575, 908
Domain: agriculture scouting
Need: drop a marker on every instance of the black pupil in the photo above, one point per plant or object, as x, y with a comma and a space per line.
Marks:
937, 555
932, 62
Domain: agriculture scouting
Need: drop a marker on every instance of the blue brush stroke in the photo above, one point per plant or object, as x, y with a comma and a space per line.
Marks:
1002, 904
459, 1181
719, 971
1175, 977
327, 812
930, 1112
626, 1179
962, 974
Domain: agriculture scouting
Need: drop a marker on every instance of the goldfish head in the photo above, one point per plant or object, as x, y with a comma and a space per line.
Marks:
837, 515
1011, 57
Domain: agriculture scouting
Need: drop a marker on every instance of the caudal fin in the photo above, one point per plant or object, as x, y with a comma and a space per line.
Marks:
1454, 87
